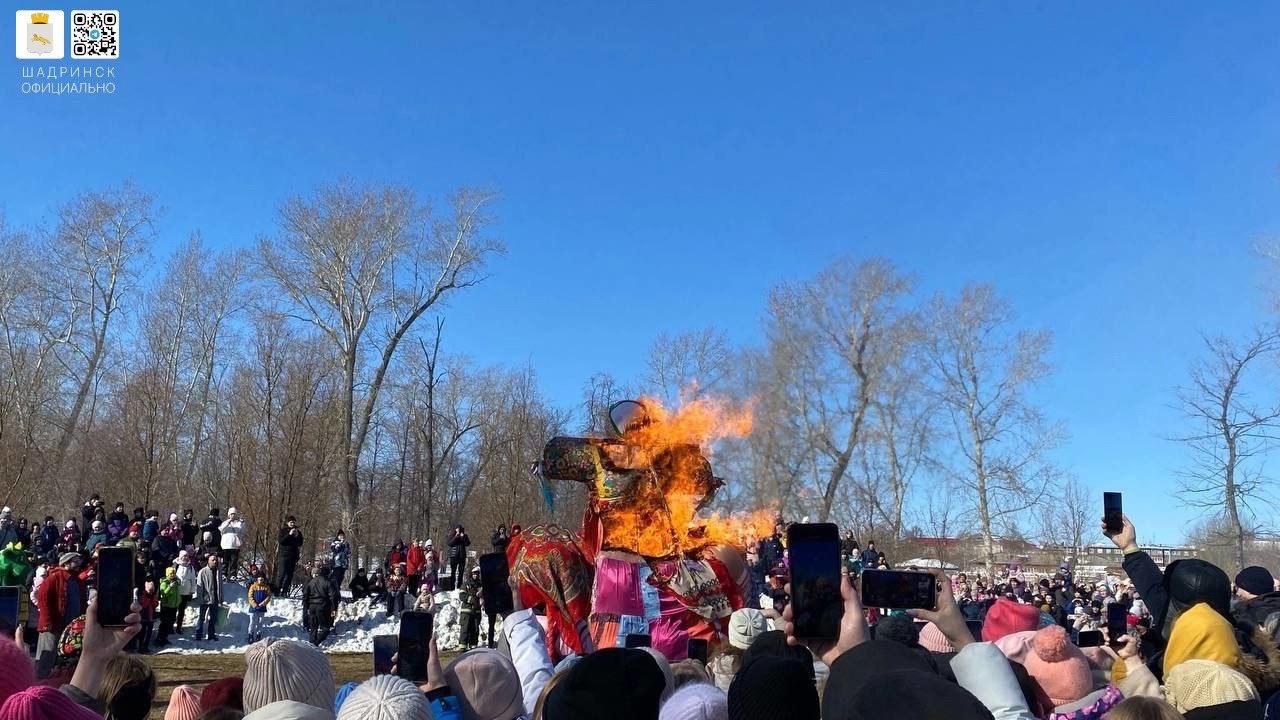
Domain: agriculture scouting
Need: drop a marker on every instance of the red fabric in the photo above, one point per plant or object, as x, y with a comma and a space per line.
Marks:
415, 560
1007, 617
551, 569
394, 558
51, 601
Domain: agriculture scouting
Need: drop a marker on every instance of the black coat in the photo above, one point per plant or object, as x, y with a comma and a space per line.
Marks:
211, 525
458, 545
499, 542
189, 533
290, 543
320, 594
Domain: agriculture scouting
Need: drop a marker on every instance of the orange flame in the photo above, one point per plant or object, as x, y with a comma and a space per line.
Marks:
665, 519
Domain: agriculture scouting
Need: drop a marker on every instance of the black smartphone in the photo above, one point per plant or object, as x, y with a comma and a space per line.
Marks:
1089, 638
899, 589
816, 605
698, 650
384, 647
494, 590
636, 640
1117, 622
1112, 512
414, 645
9, 604
115, 585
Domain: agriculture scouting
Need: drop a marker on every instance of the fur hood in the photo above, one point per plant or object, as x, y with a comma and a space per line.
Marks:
1260, 662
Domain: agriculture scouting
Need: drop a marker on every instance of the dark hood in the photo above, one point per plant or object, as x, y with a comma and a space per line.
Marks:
1257, 610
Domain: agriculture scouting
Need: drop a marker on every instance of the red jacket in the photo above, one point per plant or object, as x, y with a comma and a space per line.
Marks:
416, 560
51, 599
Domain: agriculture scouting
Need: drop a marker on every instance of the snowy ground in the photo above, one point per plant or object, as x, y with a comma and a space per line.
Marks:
354, 630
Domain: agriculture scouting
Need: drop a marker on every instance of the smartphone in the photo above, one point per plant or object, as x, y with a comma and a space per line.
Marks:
1089, 638
413, 645
698, 650
899, 589
1112, 512
816, 605
494, 590
9, 604
384, 647
115, 585
636, 640
1117, 622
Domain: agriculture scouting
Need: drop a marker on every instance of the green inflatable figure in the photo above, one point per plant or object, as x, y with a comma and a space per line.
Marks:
15, 568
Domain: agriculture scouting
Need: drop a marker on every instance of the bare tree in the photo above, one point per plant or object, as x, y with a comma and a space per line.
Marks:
1069, 519
983, 369
91, 262
833, 340
363, 265
1231, 431
686, 366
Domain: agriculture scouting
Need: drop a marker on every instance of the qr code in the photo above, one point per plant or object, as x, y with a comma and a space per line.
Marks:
95, 34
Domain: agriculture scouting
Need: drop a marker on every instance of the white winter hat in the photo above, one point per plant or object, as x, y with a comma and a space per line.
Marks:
385, 697
232, 511
97, 525
71, 524
286, 670
7, 511
698, 701
745, 625
428, 542
173, 517
289, 710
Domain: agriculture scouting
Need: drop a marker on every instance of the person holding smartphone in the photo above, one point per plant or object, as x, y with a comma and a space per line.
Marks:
458, 544
290, 548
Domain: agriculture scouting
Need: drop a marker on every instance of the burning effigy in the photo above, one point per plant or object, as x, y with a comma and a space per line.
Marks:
658, 565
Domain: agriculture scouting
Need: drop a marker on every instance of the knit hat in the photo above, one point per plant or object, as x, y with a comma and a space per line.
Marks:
698, 701
98, 525
665, 666
135, 527
71, 525
65, 558
289, 710
900, 629
44, 703
1203, 683
745, 625
184, 704
170, 571
1059, 667
1201, 633
770, 687
286, 670
486, 685
932, 639
387, 697
1007, 616
341, 696
774, 643
608, 684
1256, 580
16, 671
226, 692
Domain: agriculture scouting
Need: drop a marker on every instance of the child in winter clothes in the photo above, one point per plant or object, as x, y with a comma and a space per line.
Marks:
170, 601
259, 596
148, 599
187, 576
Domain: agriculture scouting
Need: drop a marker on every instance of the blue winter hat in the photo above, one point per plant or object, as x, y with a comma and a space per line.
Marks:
342, 694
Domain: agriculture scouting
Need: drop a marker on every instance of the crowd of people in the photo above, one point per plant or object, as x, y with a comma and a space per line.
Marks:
1196, 644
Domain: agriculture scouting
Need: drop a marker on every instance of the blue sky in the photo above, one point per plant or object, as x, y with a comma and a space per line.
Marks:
1106, 165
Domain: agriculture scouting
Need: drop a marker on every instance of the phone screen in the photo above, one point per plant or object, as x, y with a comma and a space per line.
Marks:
493, 583
384, 647
899, 589
1112, 512
698, 650
1117, 621
636, 640
9, 604
1090, 638
115, 585
415, 634
816, 605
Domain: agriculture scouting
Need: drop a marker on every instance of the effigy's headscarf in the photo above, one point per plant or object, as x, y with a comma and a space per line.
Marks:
551, 570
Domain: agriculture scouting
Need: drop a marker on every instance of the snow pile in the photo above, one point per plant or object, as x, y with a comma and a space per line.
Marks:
353, 630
